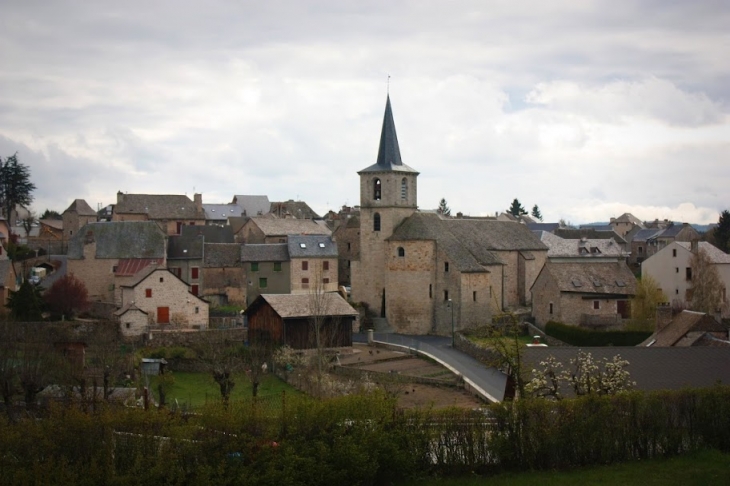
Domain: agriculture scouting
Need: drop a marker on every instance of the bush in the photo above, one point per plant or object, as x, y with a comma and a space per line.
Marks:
578, 336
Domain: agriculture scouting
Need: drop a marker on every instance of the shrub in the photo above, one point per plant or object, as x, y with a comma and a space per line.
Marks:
578, 336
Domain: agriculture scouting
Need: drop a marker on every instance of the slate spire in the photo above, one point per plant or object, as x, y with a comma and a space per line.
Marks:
388, 152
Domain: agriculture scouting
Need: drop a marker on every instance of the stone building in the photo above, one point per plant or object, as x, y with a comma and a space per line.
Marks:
347, 237
270, 229
313, 263
78, 214
425, 273
170, 211
223, 280
266, 270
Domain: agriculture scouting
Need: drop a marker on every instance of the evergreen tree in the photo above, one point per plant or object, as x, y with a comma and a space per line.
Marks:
443, 208
516, 209
536, 213
722, 232
15, 185
50, 214
26, 304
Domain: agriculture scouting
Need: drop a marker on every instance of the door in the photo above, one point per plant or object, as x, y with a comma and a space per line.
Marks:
624, 309
163, 315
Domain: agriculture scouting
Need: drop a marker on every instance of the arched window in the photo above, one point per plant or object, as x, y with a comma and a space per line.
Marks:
404, 189
377, 189
401, 251
376, 222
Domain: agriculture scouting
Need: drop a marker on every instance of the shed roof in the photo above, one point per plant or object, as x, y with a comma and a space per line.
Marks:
211, 233
185, 247
683, 323
330, 304
221, 212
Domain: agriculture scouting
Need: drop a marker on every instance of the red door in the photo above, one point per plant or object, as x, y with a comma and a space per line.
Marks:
163, 315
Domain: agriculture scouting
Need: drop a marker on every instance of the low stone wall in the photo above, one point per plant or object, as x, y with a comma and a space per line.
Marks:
479, 353
189, 338
359, 374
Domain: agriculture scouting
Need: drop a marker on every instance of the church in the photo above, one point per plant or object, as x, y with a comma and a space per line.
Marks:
424, 272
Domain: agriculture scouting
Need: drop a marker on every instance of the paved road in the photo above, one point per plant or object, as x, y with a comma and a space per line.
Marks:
488, 381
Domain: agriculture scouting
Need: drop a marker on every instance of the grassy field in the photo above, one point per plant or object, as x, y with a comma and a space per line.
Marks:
197, 389
704, 468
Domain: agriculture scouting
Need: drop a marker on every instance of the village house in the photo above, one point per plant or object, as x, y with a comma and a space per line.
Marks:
313, 263
170, 212
267, 270
625, 223
422, 273
270, 229
223, 279
672, 270
292, 320
252, 205
157, 299
561, 249
347, 237
77, 215
95, 252
293, 209
585, 293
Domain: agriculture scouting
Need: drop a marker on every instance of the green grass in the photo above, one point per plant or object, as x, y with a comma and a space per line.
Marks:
702, 468
485, 342
197, 389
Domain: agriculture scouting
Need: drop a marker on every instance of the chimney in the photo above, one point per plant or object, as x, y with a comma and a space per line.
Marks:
663, 315
120, 197
695, 245
198, 200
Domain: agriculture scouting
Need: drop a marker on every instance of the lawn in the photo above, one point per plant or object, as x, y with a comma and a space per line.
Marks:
197, 389
706, 467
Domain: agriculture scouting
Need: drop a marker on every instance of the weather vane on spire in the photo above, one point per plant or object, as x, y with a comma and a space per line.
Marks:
388, 88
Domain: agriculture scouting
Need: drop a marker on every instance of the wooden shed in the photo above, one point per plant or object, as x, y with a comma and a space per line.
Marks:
291, 319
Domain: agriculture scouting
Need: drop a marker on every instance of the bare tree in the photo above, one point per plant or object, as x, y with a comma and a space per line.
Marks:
707, 288
29, 221
223, 360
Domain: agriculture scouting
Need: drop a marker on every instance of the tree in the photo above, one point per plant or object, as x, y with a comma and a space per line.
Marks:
28, 222
223, 361
536, 213
50, 214
504, 341
443, 208
26, 304
15, 185
516, 209
644, 304
67, 296
722, 231
706, 289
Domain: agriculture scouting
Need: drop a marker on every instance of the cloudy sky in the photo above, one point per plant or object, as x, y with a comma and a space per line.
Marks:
586, 108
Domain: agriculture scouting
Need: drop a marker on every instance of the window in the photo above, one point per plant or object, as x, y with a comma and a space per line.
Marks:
674, 252
551, 308
688, 273
194, 289
114, 268
277, 266
254, 266
127, 325
305, 283
194, 272
305, 265
641, 250
179, 227
348, 263
401, 251
676, 291
446, 266
325, 280
162, 279
321, 245
348, 246
474, 296
326, 265
197, 310
263, 283
376, 222
430, 291
676, 269
377, 189
404, 189
148, 293
163, 315
490, 290
596, 304
446, 295
302, 245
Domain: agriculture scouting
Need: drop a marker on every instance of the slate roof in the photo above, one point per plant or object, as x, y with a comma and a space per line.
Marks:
597, 227
297, 209
303, 305
716, 255
222, 255
236, 223
593, 277
627, 218
120, 239
645, 234
276, 252
653, 368
683, 323
576, 234
183, 247
211, 233
584, 248
311, 247
389, 151
252, 205
670, 231
80, 207
221, 212
159, 206
283, 227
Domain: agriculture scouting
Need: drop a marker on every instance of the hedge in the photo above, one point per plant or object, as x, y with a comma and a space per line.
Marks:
578, 336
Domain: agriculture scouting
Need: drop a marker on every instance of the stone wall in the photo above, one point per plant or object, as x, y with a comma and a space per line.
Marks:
194, 338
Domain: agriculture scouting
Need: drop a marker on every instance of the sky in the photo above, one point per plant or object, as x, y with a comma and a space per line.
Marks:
588, 109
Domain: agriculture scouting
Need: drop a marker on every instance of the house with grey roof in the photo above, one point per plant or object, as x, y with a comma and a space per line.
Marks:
562, 249
275, 230
590, 293
266, 270
252, 205
218, 214
95, 252
313, 263
625, 223
293, 209
78, 214
185, 258
170, 211
671, 267
223, 279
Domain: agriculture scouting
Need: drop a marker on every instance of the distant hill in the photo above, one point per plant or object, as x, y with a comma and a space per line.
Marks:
701, 228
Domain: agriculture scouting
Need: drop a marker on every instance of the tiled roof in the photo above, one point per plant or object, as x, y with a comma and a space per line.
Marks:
297, 209
586, 248
306, 305
716, 255
122, 239
652, 368
130, 266
593, 277
311, 246
80, 207
56, 224
276, 227
683, 323
276, 252
182, 247
221, 211
222, 255
576, 234
388, 152
252, 205
159, 206
211, 233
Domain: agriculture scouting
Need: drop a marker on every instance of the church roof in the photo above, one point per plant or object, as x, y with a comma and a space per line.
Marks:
389, 152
